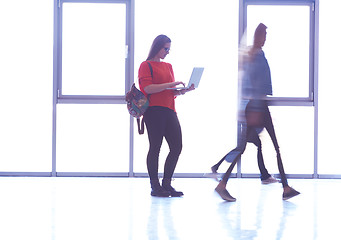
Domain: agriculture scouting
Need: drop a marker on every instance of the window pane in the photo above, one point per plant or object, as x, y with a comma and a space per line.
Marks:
26, 78
329, 88
208, 114
294, 128
286, 47
92, 138
93, 49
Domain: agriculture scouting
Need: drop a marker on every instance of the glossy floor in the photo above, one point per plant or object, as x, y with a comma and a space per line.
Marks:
122, 208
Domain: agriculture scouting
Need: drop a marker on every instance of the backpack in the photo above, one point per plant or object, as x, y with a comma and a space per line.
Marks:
137, 104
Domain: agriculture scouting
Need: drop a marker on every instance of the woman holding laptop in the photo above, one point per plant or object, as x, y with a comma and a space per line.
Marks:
155, 79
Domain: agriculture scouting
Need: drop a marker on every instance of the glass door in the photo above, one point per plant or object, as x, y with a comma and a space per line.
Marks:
92, 133
289, 49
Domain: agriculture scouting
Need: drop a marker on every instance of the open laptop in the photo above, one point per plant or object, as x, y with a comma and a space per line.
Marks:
195, 79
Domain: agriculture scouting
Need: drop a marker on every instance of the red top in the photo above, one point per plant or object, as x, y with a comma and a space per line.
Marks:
162, 73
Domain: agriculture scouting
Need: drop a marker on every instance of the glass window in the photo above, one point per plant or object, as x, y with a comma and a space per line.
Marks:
93, 51
329, 88
295, 136
206, 37
26, 78
92, 138
286, 47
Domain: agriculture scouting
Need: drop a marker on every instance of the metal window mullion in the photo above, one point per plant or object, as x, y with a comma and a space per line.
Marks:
315, 89
95, 1
56, 78
279, 2
130, 36
311, 51
242, 27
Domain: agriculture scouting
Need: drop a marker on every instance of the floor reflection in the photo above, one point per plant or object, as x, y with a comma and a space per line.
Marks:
122, 208
160, 221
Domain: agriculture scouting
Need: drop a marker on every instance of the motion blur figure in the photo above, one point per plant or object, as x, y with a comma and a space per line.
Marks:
254, 116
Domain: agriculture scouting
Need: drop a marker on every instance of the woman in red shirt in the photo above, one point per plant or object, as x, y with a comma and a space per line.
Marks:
161, 118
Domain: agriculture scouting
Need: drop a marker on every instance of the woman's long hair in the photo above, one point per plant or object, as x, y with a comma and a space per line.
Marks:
158, 43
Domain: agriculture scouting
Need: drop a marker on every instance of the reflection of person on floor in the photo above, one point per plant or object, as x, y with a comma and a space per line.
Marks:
256, 85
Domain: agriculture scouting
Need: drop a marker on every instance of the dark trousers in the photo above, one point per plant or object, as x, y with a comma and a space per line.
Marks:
162, 123
251, 134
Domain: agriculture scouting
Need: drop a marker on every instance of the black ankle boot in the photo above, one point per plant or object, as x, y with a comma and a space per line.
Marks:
166, 184
157, 190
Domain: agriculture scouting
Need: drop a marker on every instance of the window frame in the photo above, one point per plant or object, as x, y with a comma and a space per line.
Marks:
312, 100
97, 99
60, 98
289, 101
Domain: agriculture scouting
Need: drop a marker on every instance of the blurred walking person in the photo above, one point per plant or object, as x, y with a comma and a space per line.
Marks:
254, 116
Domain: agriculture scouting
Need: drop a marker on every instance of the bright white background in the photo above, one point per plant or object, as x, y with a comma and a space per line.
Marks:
329, 88
286, 47
93, 49
205, 37
287, 51
26, 71
199, 38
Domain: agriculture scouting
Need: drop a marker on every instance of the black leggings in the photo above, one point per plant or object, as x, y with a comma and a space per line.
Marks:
250, 134
252, 137
162, 122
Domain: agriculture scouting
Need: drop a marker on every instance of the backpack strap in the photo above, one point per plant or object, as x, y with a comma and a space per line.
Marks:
140, 125
151, 69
